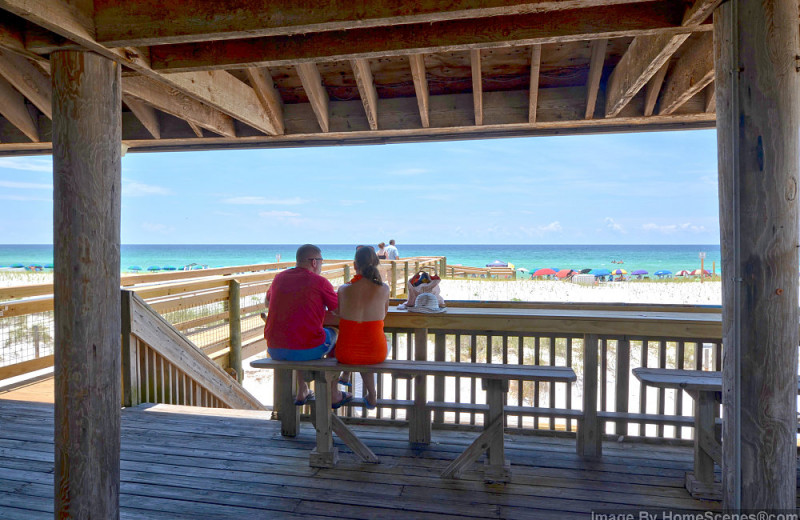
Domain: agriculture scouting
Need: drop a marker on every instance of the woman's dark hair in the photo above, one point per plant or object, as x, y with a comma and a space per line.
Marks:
367, 265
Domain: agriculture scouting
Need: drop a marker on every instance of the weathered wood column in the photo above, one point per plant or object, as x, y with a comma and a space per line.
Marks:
86, 225
758, 113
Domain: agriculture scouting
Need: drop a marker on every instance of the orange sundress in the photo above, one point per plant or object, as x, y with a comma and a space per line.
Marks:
361, 343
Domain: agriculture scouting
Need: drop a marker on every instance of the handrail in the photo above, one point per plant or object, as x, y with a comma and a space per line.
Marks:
161, 366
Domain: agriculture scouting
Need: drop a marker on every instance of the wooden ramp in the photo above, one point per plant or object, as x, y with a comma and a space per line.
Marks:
199, 463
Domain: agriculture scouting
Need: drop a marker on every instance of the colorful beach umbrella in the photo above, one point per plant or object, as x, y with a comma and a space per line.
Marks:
703, 272
600, 272
663, 272
522, 270
48, 266
153, 268
17, 266
619, 271
169, 268
640, 272
586, 271
564, 273
497, 263
683, 272
544, 272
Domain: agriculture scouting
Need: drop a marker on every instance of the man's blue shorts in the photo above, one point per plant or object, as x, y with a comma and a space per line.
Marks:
305, 354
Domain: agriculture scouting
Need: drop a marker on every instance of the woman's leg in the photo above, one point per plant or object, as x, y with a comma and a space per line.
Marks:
369, 384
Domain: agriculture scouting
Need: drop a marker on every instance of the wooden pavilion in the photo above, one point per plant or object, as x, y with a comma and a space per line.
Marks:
85, 80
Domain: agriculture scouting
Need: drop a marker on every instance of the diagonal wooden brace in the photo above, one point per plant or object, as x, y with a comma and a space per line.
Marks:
471, 454
354, 443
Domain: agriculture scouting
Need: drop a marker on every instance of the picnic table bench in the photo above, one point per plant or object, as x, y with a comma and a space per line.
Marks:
494, 380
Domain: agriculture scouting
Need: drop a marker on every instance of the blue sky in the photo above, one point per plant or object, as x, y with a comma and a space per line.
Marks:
645, 188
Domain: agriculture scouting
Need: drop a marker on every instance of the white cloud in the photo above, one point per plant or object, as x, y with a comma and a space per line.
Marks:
263, 201
26, 185
138, 189
610, 224
277, 214
669, 229
537, 231
157, 227
27, 164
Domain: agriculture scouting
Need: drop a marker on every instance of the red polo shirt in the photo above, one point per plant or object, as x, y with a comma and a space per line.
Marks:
297, 302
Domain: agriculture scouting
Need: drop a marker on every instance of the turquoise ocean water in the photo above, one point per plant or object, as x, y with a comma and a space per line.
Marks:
648, 257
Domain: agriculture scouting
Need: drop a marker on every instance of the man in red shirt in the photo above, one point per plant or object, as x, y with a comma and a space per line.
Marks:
297, 301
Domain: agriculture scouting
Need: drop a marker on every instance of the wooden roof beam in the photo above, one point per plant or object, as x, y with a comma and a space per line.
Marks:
264, 87
367, 91
646, 55
178, 104
317, 95
417, 62
692, 73
145, 114
595, 73
711, 98
653, 89
654, 17
198, 131
122, 23
533, 99
29, 80
13, 108
477, 85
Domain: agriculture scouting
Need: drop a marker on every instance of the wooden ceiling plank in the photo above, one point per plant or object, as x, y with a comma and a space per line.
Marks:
367, 91
122, 23
691, 73
711, 98
595, 73
653, 89
146, 114
317, 95
13, 108
178, 104
533, 100
653, 17
264, 87
477, 84
646, 55
418, 74
29, 80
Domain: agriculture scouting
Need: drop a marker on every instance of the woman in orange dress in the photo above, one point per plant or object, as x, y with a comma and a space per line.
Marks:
363, 304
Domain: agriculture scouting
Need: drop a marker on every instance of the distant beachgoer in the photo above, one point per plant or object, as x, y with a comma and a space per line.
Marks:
297, 300
363, 304
381, 252
391, 251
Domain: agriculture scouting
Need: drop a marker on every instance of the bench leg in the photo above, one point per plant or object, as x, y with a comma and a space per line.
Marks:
590, 427
325, 455
419, 424
471, 454
706, 449
497, 468
284, 392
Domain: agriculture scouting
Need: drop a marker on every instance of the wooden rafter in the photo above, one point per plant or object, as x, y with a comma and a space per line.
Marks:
367, 91
317, 95
122, 23
12, 106
264, 87
477, 85
533, 97
178, 104
198, 131
29, 80
417, 62
145, 114
595, 73
691, 74
646, 55
653, 89
711, 98
654, 17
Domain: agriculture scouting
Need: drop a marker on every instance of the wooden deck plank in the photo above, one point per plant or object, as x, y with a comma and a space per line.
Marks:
180, 465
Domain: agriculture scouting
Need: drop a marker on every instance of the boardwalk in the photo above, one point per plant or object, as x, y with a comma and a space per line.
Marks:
181, 463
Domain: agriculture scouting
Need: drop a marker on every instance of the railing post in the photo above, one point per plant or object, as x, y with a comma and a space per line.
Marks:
590, 434
394, 278
622, 383
131, 394
443, 270
235, 325
440, 352
419, 428
346, 274
405, 277
36, 350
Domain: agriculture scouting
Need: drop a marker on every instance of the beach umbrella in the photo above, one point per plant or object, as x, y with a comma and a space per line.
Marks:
619, 271
564, 273
195, 267
17, 266
544, 272
48, 266
600, 272
169, 268
586, 271
522, 270
497, 263
663, 272
683, 272
134, 268
639, 272
703, 272
153, 268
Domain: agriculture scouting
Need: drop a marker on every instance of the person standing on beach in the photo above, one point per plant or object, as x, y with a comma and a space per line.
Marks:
297, 301
391, 251
381, 252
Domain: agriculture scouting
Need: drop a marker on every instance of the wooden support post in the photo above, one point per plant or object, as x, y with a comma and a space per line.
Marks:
758, 116
497, 468
623, 382
590, 433
419, 427
346, 274
131, 391
235, 326
394, 278
405, 277
284, 392
325, 455
439, 354
36, 348
87, 147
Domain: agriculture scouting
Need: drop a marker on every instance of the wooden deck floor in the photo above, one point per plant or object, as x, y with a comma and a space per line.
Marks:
181, 463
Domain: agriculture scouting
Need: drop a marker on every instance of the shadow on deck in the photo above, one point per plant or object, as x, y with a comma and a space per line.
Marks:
181, 463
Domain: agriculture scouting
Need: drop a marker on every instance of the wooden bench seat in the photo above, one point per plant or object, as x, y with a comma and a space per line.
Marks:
494, 379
